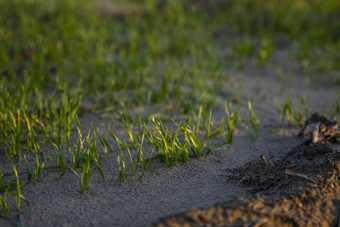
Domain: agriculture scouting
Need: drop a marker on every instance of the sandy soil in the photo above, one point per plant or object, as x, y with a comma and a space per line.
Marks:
301, 188
203, 182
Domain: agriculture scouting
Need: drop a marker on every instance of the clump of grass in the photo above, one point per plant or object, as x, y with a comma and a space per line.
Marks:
83, 155
286, 111
169, 147
32, 120
165, 143
88, 156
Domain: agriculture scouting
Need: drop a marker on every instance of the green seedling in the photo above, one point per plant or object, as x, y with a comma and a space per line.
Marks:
218, 131
59, 159
207, 131
87, 156
121, 171
162, 140
131, 161
76, 156
286, 112
28, 171
94, 154
140, 159
298, 116
38, 168
149, 160
17, 185
3, 202
197, 120
232, 119
5, 187
31, 142
336, 106
170, 150
304, 104
192, 140
254, 122
85, 174
128, 130
119, 142
85, 177
105, 145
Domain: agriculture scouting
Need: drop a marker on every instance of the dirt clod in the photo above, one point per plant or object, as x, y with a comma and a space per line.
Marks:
301, 188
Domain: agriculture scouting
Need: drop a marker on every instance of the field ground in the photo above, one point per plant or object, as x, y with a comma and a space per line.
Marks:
127, 67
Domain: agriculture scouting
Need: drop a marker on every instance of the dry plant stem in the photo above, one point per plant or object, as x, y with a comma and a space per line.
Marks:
315, 133
293, 173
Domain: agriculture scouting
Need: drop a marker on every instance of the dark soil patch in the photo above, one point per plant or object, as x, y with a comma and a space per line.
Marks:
300, 189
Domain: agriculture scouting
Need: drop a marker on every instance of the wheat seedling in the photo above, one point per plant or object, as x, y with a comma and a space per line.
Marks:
232, 119
254, 122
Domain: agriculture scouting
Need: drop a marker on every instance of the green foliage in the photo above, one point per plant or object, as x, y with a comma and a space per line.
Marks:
50, 119
163, 50
170, 146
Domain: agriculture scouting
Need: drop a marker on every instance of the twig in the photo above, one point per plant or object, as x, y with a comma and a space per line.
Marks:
293, 173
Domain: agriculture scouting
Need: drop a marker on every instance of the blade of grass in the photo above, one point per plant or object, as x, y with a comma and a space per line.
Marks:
17, 193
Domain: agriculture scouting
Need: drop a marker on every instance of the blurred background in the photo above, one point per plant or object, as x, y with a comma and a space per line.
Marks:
176, 53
